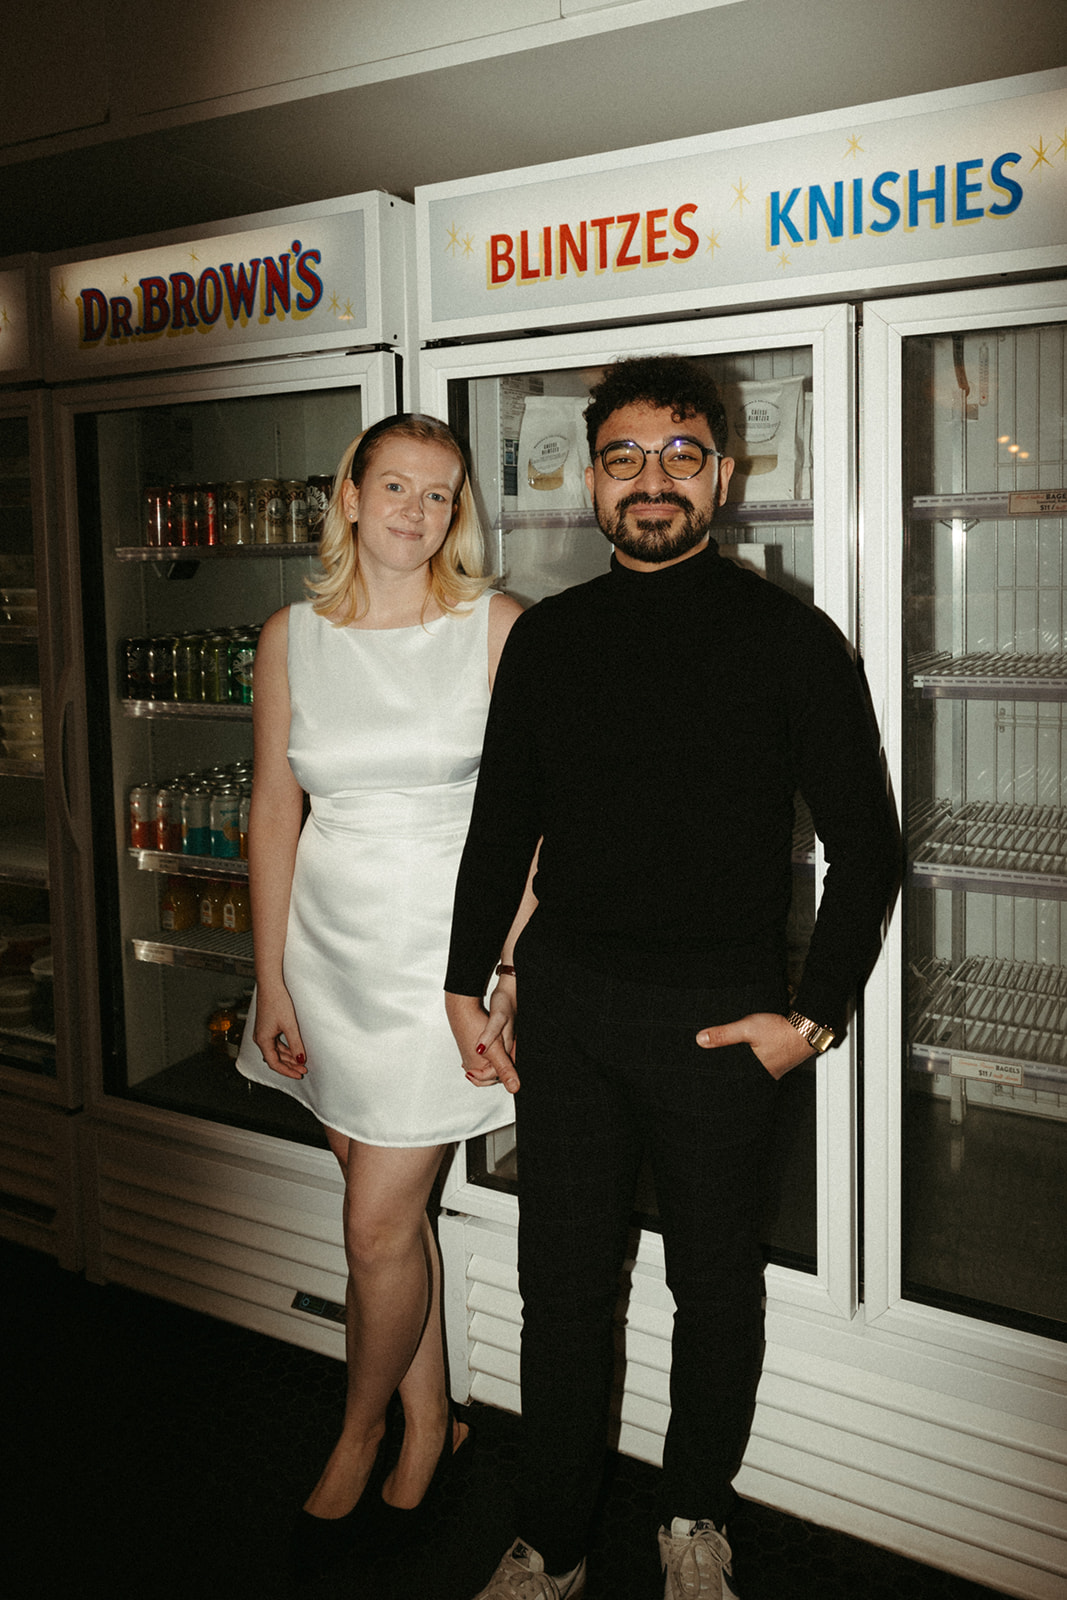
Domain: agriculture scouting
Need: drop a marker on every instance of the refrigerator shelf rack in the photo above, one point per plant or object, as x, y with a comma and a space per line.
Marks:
17, 633
186, 708
1011, 1014
21, 769
990, 675
994, 505
211, 949
182, 866
29, 1046
734, 514
23, 855
191, 553
991, 847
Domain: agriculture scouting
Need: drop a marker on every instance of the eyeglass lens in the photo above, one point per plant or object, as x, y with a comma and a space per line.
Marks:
680, 458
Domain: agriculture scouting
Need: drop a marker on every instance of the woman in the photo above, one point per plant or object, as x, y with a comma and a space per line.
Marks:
372, 698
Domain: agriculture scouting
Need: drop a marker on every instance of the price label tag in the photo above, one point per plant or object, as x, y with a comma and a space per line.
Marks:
987, 1071
1038, 503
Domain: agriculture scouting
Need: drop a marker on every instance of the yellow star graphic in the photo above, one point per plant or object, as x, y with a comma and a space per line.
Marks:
1040, 156
714, 242
62, 291
783, 260
193, 256
468, 244
334, 306
1061, 148
348, 312
125, 279
740, 199
854, 146
4, 318
453, 239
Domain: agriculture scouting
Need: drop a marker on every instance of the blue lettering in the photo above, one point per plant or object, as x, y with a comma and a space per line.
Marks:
1013, 190
780, 219
835, 219
965, 212
887, 203
917, 196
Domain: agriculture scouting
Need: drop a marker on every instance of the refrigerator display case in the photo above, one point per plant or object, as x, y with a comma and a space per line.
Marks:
46, 974
983, 685
194, 478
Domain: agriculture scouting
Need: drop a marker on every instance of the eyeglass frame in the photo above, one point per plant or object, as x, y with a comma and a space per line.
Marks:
678, 438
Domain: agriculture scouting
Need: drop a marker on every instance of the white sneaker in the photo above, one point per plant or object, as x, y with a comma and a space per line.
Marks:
522, 1576
696, 1561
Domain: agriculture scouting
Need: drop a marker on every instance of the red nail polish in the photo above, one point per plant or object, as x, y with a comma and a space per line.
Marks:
300, 1060
480, 1048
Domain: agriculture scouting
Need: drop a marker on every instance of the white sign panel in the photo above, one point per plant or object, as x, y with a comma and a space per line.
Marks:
312, 279
881, 195
14, 322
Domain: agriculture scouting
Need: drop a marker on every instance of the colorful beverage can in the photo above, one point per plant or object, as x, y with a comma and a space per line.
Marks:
142, 816
295, 495
236, 521
318, 497
225, 821
242, 655
187, 667
168, 818
196, 820
154, 522
215, 668
181, 515
208, 522
135, 669
268, 520
160, 667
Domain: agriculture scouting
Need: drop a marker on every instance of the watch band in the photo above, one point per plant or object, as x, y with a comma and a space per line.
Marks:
818, 1036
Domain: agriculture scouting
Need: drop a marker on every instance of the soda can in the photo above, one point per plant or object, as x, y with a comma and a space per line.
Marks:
225, 821
168, 818
242, 655
196, 820
208, 520
180, 509
142, 816
244, 812
319, 491
215, 667
160, 667
236, 522
187, 678
134, 667
268, 519
155, 522
295, 494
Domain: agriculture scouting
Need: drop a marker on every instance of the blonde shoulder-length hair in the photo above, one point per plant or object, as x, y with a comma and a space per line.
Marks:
456, 571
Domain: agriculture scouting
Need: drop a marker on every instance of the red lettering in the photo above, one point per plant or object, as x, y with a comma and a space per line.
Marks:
526, 273
277, 284
93, 304
501, 258
631, 219
155, 307
600, 226
121, 312
183, 288
241, 291
578, 250
546, 252
654, 236
209, 296
682, 231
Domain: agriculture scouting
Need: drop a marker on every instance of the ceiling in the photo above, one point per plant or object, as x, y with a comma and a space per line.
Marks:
683, 75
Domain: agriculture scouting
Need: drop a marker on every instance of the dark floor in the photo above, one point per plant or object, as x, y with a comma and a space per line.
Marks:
150, 1451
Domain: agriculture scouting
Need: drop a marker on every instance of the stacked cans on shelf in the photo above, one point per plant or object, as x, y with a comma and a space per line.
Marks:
198, 814
247, 511
213, 667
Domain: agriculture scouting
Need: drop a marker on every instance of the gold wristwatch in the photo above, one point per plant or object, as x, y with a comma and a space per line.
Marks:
818, 1037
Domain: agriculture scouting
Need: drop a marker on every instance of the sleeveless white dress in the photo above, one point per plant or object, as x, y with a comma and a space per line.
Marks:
385, 737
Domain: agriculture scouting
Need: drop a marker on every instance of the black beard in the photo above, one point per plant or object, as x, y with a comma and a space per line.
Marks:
650, 539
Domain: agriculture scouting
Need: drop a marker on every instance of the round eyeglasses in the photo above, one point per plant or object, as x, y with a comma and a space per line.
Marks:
679, 458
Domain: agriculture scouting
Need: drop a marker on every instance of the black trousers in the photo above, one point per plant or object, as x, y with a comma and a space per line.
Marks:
611, 1071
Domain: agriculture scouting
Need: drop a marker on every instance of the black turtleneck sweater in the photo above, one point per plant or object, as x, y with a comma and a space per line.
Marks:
653, 727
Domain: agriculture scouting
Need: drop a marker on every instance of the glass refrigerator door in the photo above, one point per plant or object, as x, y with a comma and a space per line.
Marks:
520, 406
197, 518
27, 1011
983, 936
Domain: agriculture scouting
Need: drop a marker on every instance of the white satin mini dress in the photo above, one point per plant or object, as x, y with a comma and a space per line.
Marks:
385, 737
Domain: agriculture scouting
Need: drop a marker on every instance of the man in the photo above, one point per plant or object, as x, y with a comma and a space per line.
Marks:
651, 728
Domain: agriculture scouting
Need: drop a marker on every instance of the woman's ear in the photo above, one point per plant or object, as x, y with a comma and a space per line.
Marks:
350, 500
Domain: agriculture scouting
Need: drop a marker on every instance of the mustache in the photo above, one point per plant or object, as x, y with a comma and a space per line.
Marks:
665, 499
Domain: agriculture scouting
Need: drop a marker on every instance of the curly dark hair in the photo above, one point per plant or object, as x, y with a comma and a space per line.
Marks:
674, 383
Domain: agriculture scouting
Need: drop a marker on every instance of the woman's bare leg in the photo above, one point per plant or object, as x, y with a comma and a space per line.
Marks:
392, 1307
